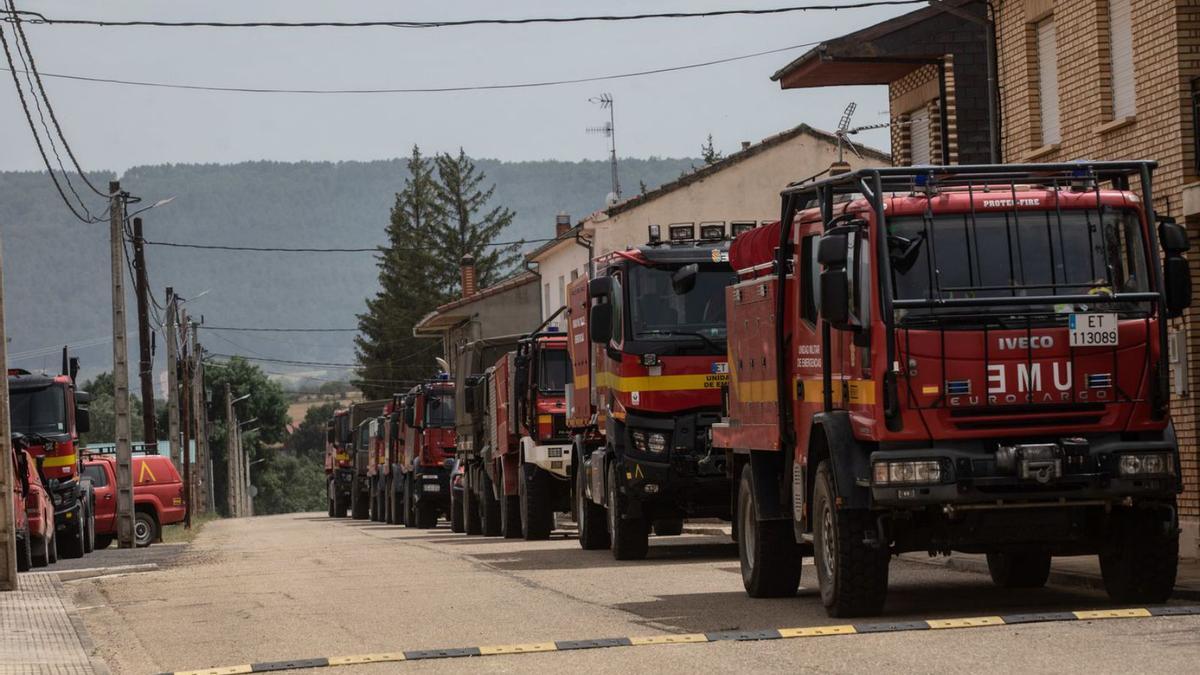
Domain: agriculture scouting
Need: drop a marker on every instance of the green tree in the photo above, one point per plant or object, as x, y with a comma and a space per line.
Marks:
410, 286
308, 440
288, 484
709, 153
471, 225
267, 407
103, 414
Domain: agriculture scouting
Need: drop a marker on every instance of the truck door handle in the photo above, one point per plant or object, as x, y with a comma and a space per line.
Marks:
108, 498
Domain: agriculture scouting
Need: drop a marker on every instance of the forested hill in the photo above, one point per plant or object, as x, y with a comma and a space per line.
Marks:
56, 269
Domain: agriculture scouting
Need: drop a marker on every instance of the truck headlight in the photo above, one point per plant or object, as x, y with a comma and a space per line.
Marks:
891, 473
639, 441
657, 442
1146, 464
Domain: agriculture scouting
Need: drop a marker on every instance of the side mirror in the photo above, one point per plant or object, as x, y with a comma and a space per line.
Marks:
600, 323
409, 416
600, 287
1177, 280
83, 420
1172, 237
833, 249
835, 297
684, 279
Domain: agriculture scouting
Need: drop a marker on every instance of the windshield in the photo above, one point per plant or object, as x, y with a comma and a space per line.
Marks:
552, 370
1085, 252
657, 312
38, 411
439, 410
96, 473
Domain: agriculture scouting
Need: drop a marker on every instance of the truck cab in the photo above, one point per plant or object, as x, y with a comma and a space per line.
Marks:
427, 450
966, 358
50, 413
648, 356
339, 464
542, 369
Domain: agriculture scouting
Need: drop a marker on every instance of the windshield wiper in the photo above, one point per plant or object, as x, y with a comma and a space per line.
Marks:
685, 333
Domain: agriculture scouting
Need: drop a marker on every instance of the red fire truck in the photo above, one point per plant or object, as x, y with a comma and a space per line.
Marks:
527, 455
362, 447
426, 451
969, 358
647, 344
49, 411
339, 465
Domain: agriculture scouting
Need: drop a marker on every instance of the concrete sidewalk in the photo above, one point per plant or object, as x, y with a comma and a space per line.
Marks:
40, 631
1079, 571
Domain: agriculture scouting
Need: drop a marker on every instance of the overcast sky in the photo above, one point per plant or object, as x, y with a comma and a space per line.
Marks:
116, 127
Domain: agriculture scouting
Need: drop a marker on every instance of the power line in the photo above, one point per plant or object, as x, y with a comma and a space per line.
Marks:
286, 361
436, 90
271, 249
41, 18
247, 329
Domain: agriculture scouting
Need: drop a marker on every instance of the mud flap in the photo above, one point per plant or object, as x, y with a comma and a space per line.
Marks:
849, 461
769, 500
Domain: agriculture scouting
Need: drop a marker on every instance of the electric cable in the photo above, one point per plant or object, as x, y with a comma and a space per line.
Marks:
274, 249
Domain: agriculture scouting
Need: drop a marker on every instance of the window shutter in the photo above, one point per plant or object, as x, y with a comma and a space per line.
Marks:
1120, 33
1047, 56
918, 133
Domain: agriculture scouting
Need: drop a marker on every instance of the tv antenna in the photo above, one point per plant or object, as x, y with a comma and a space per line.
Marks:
844, 132
609, 130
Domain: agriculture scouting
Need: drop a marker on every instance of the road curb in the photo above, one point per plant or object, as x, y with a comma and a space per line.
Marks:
96, 572
697, 638
1058, 577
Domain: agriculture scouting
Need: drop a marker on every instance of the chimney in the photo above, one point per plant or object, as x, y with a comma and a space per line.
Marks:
469, 283
745, 145
562, 223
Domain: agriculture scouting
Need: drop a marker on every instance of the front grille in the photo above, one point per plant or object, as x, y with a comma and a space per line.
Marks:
558, 425
1017, 416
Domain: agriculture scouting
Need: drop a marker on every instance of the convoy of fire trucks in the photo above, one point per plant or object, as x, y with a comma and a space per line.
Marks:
958, 358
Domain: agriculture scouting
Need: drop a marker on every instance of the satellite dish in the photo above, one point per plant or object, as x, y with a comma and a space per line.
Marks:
610, 199
442, 364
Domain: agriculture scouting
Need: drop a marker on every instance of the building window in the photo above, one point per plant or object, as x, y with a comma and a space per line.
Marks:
1120, 40
1047, 72
919, 138
574, 275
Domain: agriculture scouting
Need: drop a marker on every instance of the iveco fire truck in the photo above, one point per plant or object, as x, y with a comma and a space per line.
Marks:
647, 343
339, 465
960, 358
426, 449
50, 412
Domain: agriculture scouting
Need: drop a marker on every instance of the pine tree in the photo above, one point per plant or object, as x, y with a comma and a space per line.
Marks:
709, 153
470, 226
411, 274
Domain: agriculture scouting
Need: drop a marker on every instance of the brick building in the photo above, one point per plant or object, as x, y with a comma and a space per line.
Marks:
1115, 79
934, 62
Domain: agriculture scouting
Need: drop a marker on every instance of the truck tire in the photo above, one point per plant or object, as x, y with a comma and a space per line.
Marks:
852, 575
103, 541
145, 529
470, 499
329, 496
386, 499
339, 502
359, 504
630, 536
489, 507
24, 554
589, 516
537, 514
1141, 561
770, 558
1023, 569
456, 513
40, 551
410, 519
426, 514
89, 536
668, 527
54, 548
72, 544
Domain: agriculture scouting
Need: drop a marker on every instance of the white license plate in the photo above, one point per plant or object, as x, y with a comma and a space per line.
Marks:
1093, 330
431, 487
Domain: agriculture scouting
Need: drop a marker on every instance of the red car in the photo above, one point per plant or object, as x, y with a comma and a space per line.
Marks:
157, 496
20, 493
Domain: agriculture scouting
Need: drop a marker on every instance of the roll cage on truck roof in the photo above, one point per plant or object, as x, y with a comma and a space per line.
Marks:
1015, 405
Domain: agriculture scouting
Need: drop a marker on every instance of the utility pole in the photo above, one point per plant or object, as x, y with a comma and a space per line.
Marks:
185, 413
173, 378
200, 433
116, 234
240, 453
8, 524
230, 460
145, 361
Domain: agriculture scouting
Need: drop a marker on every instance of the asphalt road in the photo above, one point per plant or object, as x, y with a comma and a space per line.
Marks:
298, 586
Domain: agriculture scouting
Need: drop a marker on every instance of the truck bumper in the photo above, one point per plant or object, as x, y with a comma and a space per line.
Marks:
555, 458
688, 480
432, 484
343, 480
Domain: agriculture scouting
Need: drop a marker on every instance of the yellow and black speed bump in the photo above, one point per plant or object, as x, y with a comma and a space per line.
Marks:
694, 638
